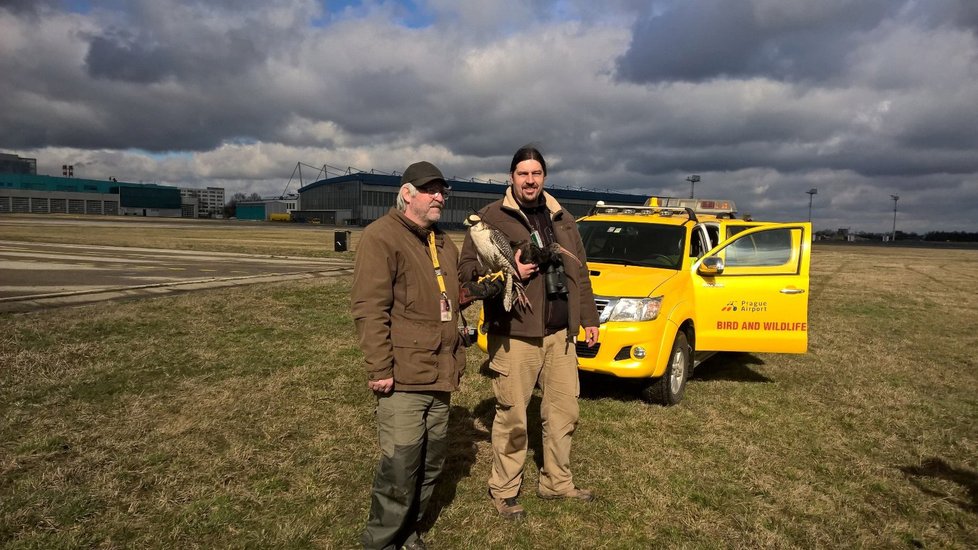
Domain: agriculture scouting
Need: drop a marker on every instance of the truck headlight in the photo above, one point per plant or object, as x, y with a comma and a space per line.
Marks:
636, 309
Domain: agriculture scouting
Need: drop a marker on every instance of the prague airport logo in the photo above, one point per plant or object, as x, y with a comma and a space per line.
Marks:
745, 306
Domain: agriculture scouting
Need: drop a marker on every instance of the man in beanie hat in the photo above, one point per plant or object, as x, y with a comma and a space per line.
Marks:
405, 306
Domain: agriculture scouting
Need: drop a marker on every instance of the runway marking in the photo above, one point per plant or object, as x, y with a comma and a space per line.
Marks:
43, 275
78, 257
47, 289
46, 266
21, 304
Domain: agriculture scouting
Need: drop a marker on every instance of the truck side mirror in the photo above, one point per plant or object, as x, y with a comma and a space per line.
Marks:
711, 266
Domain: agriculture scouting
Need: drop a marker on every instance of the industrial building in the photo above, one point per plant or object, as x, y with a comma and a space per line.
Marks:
210, 201
351, 199
265, 208
33, 194
360, 198
13, 164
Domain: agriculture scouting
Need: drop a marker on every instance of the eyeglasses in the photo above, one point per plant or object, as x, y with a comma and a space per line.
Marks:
434, 190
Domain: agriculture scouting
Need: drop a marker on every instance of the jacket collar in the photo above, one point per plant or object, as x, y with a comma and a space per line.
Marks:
421, 232
510, 203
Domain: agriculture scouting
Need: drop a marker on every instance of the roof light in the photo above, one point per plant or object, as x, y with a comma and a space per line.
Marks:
700, 206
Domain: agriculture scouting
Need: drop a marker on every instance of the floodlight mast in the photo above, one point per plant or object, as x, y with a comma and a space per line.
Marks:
895, 199
692, 182
811, 193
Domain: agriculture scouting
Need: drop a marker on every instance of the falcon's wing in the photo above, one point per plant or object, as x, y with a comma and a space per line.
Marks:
504, 248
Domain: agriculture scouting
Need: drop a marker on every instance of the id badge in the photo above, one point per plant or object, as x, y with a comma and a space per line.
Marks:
446, 309
536, 239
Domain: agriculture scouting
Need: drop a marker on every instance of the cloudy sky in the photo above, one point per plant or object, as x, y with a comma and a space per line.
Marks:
764, 99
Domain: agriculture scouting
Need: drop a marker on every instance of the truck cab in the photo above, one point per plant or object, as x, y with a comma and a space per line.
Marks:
678, 280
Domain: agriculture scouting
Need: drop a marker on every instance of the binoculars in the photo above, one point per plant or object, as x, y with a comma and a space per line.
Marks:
555, 278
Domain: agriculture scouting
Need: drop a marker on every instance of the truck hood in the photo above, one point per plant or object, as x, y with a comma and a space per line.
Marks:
627, 280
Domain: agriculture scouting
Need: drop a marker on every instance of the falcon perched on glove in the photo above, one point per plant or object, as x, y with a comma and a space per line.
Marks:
498, 255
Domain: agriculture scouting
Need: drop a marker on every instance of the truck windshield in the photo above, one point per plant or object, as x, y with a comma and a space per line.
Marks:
643, 244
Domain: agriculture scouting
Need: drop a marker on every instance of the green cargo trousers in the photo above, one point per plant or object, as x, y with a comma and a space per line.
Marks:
413, 431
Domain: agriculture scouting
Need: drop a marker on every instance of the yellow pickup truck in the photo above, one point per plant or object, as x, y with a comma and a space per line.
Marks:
678, 280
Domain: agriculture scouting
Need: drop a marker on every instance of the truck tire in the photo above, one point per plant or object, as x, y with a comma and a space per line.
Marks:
668, 389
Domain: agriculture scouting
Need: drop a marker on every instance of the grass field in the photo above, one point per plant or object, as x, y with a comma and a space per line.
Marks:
240, 418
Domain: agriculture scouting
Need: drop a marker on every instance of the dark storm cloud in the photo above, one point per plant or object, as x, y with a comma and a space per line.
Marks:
140, 58
161, 76
959, 13
192, 41
698, 40
379, 103
764, 98
28, 6
865, 159
122, 57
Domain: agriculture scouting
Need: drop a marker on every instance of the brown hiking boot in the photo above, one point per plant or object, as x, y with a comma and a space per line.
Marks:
508, 508
575, 494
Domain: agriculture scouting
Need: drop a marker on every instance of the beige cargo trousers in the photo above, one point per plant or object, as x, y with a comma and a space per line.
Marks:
519, 365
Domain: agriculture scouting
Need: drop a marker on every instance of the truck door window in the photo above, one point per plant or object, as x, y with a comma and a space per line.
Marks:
700, 243
764, 249
713, 232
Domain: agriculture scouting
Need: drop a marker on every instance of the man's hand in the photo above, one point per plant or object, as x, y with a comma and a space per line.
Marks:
381, 386
592, 335
525, 270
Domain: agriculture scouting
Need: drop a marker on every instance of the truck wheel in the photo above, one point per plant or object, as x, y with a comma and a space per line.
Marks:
668, 389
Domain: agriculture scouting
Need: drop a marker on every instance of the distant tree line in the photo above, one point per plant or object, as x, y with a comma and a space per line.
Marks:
951, 236
931, 236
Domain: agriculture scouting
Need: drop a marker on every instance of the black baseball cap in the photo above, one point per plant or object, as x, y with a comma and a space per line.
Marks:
422, 173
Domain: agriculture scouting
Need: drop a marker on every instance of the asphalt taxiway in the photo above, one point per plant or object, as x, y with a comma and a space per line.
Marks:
40, 275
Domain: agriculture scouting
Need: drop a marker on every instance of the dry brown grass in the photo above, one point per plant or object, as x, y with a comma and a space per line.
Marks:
239, 417
275, 238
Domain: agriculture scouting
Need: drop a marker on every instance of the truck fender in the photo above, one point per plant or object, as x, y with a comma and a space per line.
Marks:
665, 348
678, 315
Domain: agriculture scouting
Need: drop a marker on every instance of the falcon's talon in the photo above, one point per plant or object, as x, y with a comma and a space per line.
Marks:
491, 277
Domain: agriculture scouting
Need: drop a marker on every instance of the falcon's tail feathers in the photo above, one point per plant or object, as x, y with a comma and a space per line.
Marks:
520, 291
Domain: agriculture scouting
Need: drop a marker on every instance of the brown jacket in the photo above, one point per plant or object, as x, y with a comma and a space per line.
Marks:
395, 304
505, 215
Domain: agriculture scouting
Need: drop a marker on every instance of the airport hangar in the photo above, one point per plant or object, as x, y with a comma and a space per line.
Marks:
360, 198
33, 194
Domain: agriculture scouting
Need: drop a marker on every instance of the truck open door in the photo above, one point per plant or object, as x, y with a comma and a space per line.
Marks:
751, 291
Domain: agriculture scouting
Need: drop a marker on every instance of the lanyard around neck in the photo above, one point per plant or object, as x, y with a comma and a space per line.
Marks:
434, 262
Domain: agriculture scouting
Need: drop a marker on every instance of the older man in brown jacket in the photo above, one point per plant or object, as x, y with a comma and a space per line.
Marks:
404, 298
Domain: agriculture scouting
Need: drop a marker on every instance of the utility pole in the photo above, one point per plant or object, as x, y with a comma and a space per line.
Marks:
692, 182
811, 194
895, 199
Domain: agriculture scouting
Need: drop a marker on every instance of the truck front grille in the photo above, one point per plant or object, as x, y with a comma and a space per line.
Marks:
585, 352
603, 309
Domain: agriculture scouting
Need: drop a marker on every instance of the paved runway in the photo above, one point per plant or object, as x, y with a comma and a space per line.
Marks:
35, 275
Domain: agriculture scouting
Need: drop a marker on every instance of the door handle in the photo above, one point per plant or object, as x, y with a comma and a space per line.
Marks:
792, 290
